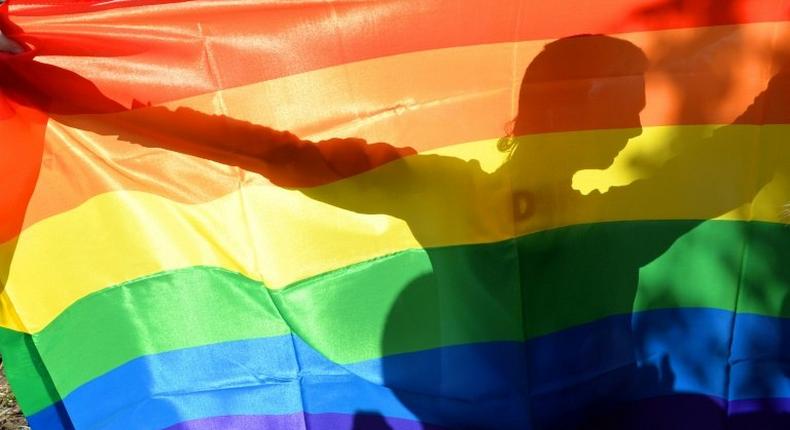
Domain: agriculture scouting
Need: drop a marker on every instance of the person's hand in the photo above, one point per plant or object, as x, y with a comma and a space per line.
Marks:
9, 46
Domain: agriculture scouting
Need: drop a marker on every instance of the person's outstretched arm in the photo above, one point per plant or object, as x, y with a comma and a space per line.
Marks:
280, 156
731, 166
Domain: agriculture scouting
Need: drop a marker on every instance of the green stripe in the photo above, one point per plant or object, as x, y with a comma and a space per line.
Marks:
163, 312
573, 275
416, 299
25, 371
420, 299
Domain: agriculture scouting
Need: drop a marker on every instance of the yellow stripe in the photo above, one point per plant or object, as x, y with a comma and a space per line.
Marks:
280, 236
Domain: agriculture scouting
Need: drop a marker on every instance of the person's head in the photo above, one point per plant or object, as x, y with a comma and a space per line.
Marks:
585, 82
582, 82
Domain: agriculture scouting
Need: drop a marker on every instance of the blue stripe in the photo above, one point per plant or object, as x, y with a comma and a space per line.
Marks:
574, 372
54, 417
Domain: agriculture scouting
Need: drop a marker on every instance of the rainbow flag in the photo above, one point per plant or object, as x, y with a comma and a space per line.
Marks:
398, 214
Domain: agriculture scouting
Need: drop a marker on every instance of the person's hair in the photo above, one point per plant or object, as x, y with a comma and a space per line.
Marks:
570, 61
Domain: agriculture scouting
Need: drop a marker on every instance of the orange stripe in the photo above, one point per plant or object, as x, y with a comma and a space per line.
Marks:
431, 99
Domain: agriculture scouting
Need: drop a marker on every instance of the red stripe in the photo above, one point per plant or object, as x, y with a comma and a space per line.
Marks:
51, 7
21, 146
202, 46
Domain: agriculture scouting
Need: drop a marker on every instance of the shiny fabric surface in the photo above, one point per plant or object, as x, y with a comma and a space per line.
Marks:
396, 214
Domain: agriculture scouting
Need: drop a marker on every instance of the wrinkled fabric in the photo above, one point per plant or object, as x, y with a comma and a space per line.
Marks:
396, 214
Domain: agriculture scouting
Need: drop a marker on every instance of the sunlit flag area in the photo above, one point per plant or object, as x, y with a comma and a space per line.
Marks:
396, 214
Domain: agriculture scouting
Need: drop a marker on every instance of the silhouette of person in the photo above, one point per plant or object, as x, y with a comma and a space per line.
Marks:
580, 83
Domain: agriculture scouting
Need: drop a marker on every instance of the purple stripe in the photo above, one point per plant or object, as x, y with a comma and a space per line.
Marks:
677, 412
680, 412
294, 421
301, 421
686, 412
775, 405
